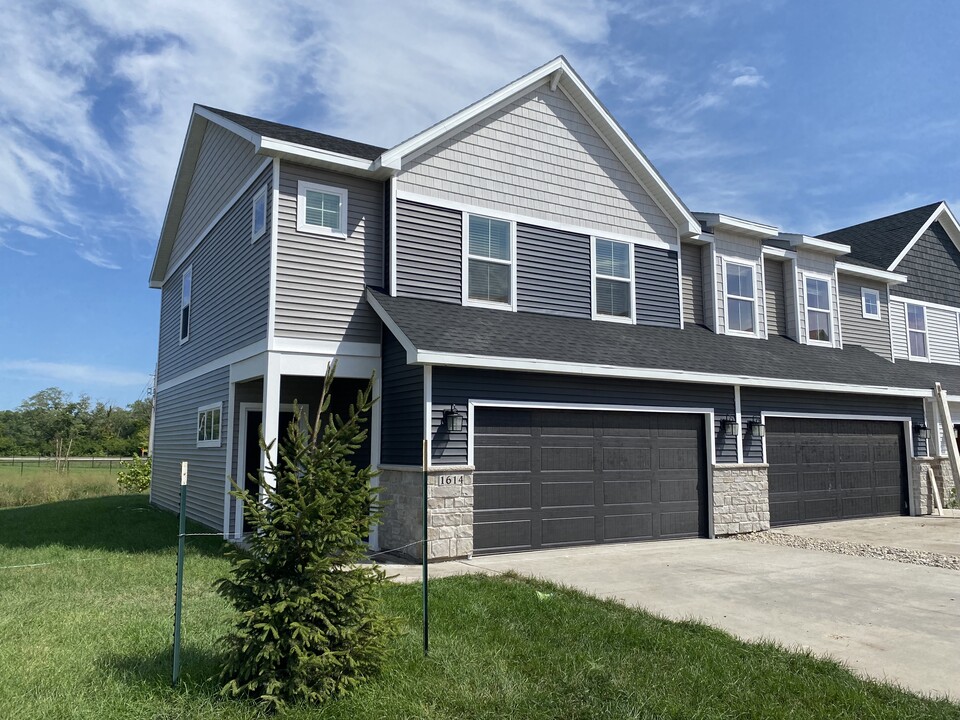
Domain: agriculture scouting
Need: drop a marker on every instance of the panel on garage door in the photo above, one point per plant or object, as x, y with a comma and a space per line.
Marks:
548, 478
834, 469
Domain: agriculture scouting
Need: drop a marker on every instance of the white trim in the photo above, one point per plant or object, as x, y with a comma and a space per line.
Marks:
274, 248
220, 362
392, 229
296, 150
860, 271
835, 297
376, 428
303, 186
716, 288
942, 209
325, 347
428, 413
531, 220
186, 303
738, 412
393, 328
816, 244
808, 275
211, 442
773, 251
754, 266
893, 354
739, 225
348, 366
629, 280
864, 291
226, 124
762, 297
252, 367
680, 279
231, 413
925, 332
259, 197
925, 303
466, 257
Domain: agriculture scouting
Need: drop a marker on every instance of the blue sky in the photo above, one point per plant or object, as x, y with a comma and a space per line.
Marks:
806, 115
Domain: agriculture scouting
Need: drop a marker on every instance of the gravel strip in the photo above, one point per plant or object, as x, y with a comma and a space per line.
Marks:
882, 552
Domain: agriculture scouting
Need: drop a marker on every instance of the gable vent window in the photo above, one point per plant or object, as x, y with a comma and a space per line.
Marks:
917, 331
208, 425
489, 262
612, 280
321, 209
818, 310
260, 213
186, 283
741, 299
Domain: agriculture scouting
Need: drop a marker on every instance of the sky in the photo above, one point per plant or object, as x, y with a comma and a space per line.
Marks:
806, 115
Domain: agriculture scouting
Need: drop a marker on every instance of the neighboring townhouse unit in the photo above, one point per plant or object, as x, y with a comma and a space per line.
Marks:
582, 358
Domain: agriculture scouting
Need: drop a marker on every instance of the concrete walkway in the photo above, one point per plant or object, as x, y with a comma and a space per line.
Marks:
884, 620
927, 533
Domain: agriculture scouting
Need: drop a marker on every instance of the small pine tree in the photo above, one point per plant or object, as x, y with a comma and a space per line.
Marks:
309, 625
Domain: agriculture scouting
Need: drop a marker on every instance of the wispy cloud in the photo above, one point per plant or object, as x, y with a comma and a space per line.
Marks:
98, 258
70, 372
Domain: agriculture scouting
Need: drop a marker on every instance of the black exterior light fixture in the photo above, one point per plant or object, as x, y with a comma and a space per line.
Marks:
956, 431
453, 420
757, 428
923, 432
729, 426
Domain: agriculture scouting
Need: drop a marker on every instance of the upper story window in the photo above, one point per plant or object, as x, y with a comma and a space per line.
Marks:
186, 284
489, 261
259, 213
321, 209
741, 289
819, 314
208, 425
612, 280
917, 332
870, 301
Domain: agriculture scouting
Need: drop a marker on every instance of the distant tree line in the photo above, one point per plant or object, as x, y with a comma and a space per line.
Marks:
52, 423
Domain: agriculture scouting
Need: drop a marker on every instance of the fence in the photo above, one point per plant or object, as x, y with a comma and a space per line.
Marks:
76, 463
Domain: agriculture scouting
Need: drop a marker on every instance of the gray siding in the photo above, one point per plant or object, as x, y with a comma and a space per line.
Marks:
710, 300
225, 161
776, 304
871, 333
538, 156
321, 279
245, 392
821, 266
553, 271
933, 266
429, 250
175, 440
745, 251
457, 386
657, 286
401, 411
230, 296
691, 265
898, 328
753, 401
790, 299
943, 333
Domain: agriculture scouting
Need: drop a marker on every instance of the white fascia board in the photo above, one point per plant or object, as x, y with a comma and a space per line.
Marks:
746, 227
233, 127
295, 151
770, 251
941, 213
813, 243
393, 328
871, 273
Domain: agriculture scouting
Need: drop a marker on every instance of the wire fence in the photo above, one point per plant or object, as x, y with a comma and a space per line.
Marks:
75, 463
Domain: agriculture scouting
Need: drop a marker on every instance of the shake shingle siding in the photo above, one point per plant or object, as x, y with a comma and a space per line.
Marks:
401, 404
933, 266
429, 248
871, 333
553, 271
657, 286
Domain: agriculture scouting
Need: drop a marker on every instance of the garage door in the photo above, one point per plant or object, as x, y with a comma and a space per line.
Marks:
548, 478
834, 469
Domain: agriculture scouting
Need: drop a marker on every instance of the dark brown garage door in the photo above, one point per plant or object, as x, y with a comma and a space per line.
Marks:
834, 469
556, 477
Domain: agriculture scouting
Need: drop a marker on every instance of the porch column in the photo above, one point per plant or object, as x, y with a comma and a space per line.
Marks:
271, 414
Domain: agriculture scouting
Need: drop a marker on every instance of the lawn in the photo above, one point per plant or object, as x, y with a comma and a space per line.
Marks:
31, 484
89, 637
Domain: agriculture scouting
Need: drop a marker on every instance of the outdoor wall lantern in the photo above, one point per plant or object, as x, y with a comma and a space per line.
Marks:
729, 426
956, 431
757, 428
453, 420
923, 432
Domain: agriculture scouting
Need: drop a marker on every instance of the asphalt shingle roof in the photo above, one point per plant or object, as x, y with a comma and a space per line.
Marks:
877, 243
289, 133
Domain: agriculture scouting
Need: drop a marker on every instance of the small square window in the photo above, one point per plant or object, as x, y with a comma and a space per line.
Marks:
870, 300
321, 209
208, 425
260, 213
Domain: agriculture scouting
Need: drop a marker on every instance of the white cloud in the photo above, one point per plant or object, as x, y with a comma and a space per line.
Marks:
97, 257
749, 79
31, 231
71, 372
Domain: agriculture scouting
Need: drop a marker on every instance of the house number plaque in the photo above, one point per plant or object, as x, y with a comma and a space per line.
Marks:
449, 479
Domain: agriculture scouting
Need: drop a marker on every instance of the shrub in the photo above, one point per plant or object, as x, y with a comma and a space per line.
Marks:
134, 475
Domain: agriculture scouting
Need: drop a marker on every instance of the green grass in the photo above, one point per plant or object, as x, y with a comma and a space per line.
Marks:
89, 637
25, 484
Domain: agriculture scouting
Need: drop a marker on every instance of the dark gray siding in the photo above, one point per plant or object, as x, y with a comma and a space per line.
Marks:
429, 248
175, 440
692, 269
776, 301
658, 286
230, 297
753, 401
553, 271
457, 386
933, 266
401, 411
870, 333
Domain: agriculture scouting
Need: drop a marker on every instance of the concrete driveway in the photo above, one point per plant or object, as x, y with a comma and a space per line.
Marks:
886, 620
927, 533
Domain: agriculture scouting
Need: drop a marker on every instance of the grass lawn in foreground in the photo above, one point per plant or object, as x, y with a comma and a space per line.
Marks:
31, 484
89, 637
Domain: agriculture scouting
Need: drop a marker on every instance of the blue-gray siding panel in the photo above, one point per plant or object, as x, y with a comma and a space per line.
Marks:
401, 406
456, 386
553, 271
753, 401
657, 286
429, 247
933, 266
230, 297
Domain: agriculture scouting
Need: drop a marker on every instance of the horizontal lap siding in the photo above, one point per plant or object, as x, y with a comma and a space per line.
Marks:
942, 336
870, 333
401, 406
776, 307
657, 286
553, 271
933, 266
538, 156
175, 441
747, 252
692, 269
230, 295
453, 386
823, 267
753, 401
429, 246
898, 328
321, 279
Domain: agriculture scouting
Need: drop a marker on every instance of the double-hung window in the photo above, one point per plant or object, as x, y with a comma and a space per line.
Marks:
870, 301
489, 261
186, 283
208, 425
917, 332
321, 209
818, 310
612, 280
259, 218
741, 289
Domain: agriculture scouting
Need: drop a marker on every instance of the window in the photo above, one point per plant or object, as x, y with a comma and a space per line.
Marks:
870, 300
260, 212
612, 280
741, 298
917, 332
489, 264
818, 310
208, 425
321, 209
186, 282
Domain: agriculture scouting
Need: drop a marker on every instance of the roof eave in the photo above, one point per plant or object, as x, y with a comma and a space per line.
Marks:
807, 242
744, 227
940, 213
872, 273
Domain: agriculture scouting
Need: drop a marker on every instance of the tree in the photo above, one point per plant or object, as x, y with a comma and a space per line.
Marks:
308, 627
56, 420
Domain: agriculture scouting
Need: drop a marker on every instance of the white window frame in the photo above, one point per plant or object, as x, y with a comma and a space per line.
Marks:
303, 226
186, 303
925, 332
466, 257
259, 198
864, 292
832, 342
755, 299
201, 412
632, 319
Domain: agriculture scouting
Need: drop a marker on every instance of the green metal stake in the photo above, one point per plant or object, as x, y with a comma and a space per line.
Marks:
423, 552
178, 604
